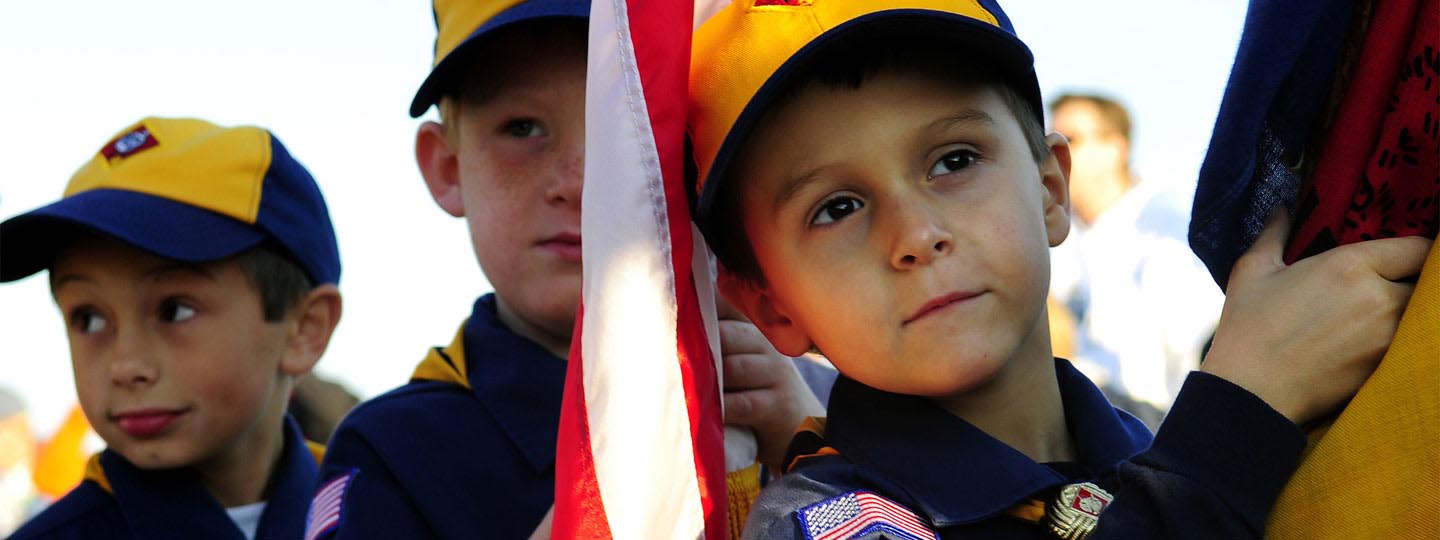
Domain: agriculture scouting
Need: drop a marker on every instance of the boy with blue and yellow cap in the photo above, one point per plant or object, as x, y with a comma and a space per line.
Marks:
467, 448
893, 150
195, 267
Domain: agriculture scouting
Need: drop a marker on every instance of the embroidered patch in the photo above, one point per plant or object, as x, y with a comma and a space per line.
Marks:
326, 507
128, 144
860, 513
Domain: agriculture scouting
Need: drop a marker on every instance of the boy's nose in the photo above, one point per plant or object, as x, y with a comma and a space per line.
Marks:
132, 363
568, 183
921, 237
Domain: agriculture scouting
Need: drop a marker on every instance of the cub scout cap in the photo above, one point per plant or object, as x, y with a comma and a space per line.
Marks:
461, 24
743, 56
185, 190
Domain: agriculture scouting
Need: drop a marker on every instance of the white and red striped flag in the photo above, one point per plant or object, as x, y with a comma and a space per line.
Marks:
641, 450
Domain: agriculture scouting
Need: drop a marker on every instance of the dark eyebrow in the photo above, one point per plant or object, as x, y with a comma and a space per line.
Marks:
794, 186
154, 274
56, 282
965, 117
962, 119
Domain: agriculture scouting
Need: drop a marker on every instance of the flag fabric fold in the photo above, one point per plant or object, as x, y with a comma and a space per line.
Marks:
640, 452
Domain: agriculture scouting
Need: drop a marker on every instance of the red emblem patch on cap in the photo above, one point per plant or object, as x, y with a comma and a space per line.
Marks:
782, 2
129, 144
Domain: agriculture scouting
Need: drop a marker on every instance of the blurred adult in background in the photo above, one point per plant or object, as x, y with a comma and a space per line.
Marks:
318, 404
1144, 304
18, 499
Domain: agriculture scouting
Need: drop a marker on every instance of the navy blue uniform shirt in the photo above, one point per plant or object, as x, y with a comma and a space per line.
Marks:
435, 459
1214, 470
173, 504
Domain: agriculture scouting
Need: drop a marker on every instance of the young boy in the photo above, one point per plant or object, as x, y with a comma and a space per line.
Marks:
195, 267
893, 150
467, 448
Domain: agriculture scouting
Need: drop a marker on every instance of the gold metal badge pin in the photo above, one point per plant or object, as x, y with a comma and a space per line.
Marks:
1075, 511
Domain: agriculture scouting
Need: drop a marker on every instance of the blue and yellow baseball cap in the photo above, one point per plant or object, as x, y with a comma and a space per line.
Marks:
185, 190
461, 23
743, 57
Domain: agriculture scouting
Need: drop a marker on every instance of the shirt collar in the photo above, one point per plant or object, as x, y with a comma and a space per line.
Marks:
173, 503
520, 382
951, 470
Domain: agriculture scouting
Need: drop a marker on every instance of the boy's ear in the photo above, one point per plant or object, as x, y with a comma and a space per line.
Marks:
309, 326
440, 166
1055, 179
765, 312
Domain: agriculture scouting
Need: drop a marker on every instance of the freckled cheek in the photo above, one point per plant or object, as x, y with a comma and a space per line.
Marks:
515, 168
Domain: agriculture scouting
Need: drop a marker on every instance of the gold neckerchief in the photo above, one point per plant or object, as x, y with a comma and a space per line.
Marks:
445, 364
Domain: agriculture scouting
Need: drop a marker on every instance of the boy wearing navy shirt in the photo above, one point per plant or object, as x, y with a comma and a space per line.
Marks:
894, 151
195, 267
467, 448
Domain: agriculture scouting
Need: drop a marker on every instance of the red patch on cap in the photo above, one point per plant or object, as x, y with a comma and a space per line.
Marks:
129, 144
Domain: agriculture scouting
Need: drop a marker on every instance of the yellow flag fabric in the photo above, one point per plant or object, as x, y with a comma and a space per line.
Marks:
1375, 471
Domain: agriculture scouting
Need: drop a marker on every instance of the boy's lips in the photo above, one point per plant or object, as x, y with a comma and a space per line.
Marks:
566, 245
940, 303
147, 422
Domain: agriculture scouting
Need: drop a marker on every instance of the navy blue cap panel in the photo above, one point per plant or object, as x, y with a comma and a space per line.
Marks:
441, 78
157, 225
293, 211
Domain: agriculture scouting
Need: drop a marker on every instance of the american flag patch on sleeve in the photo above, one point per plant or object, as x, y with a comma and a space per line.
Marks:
861, 513
325, 508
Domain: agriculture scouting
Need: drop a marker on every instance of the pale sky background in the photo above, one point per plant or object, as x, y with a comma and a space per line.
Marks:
333, 80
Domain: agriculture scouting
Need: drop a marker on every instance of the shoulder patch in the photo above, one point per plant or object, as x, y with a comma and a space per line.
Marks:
860, 513
326, 508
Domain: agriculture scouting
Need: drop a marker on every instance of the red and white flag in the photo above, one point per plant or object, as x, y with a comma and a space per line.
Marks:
641, 449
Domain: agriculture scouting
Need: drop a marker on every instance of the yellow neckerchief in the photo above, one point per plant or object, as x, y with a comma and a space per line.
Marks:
445, 365
95, 473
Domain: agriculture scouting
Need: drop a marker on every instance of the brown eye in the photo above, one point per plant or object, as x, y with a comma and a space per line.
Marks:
87, 321
175, 311
523, 128
953, 162
835, 210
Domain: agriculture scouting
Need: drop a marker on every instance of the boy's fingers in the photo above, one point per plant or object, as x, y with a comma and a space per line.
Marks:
741, 337
747, 408
746, 371
1392, 258
1271, 242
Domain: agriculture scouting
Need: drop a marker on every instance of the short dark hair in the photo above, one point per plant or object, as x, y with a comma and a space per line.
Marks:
846, 64
274, 274
279, 280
